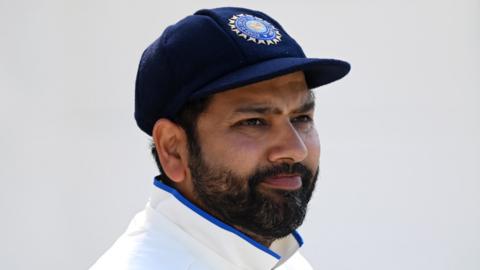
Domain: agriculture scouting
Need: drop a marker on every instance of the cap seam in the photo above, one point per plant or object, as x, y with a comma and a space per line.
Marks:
171, 74
229, 36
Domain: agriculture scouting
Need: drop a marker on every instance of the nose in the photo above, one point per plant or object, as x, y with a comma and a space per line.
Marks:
287, 145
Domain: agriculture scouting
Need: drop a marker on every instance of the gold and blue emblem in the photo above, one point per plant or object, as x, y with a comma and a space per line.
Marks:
254, 29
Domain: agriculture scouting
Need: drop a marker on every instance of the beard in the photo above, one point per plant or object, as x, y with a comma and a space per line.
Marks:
242, 201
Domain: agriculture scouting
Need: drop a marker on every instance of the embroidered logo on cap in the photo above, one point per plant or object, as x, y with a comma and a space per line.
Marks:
254, 29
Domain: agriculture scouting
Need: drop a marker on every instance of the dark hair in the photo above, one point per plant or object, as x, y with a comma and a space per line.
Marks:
187, 119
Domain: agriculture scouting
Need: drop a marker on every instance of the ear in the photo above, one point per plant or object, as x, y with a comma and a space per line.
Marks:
170, 142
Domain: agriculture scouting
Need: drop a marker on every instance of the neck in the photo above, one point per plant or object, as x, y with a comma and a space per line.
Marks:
266, 241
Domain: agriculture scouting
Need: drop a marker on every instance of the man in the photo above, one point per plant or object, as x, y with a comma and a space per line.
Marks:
225, 95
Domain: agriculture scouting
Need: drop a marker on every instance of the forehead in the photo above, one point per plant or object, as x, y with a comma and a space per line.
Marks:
290, 89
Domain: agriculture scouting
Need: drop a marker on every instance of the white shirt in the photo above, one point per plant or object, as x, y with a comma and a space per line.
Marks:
172, 233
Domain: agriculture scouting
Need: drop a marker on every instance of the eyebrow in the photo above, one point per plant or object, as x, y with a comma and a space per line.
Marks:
265, 108
306, 107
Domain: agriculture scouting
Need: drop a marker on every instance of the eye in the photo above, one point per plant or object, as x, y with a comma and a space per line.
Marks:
252, 122
302, 119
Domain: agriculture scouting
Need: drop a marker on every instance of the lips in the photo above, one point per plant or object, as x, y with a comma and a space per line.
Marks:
287, 182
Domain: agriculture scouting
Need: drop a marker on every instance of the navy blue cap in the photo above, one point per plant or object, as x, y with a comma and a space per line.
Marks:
216, 50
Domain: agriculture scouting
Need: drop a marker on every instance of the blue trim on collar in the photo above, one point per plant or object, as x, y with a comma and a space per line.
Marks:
217, 222
298, 238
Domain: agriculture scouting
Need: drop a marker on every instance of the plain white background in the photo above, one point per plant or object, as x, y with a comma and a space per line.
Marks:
399, 185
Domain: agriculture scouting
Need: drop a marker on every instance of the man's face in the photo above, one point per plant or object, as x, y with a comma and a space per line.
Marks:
256, 160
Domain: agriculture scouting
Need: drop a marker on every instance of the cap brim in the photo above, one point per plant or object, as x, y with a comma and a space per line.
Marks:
318, 72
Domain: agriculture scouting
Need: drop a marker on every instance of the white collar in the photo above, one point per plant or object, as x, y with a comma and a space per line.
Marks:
225, 240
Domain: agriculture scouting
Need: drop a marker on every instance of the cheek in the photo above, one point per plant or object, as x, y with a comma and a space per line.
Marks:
240, 154
312, 142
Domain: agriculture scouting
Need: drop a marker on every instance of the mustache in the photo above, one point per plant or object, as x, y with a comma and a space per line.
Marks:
275, 170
